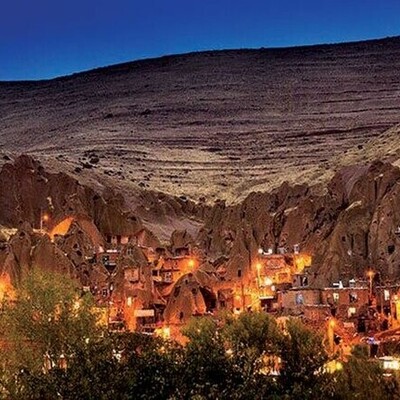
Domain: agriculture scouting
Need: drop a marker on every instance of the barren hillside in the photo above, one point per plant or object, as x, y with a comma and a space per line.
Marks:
214, 124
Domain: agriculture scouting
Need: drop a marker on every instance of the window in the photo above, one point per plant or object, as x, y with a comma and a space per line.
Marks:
168, 276
353, 298
299, 298
391, 249
335, 297
386, 295
239, 273
351, 312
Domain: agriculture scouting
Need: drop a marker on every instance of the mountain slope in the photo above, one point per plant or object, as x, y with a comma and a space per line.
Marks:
214, 124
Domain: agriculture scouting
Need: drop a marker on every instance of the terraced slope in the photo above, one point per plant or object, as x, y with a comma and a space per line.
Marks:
214, 124
385, 147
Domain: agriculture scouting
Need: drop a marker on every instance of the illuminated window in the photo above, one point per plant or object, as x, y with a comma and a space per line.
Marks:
336, 297
299, 298
351, 312
386, 295
391, 363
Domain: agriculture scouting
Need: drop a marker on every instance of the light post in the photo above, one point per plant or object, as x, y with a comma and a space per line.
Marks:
43, 219
258, 268
370, 275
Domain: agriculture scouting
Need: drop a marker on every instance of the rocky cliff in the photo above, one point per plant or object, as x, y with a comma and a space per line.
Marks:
350, 227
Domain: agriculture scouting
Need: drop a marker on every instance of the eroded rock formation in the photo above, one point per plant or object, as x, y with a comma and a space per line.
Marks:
352, 226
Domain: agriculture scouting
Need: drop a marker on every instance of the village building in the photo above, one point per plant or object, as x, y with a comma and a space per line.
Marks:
388, 302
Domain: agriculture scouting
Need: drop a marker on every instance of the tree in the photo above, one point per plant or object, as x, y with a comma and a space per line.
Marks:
44, 327
363, 378
209, 371
153, 368
303, 358
253, 340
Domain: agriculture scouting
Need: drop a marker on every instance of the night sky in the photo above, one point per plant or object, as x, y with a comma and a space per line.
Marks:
43, 39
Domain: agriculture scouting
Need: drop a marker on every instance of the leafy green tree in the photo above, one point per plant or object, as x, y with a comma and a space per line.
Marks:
94, 373
363, 378
208, 370
303, 359
255, 333
43, 327
153, 368
225, 359
253, 339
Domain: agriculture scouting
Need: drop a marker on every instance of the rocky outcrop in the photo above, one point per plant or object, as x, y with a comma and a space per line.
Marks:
352, 226
50, 258
181, 239
189, 297
27, 250
28, 191
348, 229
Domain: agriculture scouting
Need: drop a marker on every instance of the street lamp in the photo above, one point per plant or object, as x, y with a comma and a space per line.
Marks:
268, 281
370, 275
258, 268
44, 218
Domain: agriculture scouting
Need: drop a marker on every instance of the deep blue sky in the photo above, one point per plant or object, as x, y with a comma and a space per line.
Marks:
48, 38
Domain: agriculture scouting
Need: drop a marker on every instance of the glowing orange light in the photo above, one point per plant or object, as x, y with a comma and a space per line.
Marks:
191, 263
61, 228
267, 281
258, 266
302, 261
166, 332
76, 306
6, 289
332, 323
370, 273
